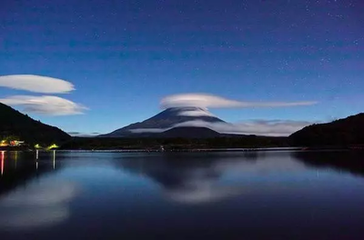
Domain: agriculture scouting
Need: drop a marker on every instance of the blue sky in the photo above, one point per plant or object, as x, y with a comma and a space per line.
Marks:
123, 57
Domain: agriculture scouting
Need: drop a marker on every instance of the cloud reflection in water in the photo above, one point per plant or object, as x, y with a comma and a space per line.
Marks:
39, 205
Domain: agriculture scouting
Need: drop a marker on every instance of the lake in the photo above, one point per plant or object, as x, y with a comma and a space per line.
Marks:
220, 195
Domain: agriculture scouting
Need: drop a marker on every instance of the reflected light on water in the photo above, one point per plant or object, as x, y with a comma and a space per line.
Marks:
54, 159
15, 159
2, 162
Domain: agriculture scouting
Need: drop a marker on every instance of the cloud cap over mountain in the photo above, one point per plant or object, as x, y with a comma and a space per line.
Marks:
212, 101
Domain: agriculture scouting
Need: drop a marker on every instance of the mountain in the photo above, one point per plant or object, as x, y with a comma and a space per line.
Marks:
189, 132
14, 123
164, 124
341, 132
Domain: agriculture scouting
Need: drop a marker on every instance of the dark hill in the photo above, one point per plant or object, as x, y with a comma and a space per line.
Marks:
341, 132
14, 123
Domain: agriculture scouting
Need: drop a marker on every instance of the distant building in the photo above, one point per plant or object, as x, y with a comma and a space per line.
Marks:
16, 143
161, 148
4, 143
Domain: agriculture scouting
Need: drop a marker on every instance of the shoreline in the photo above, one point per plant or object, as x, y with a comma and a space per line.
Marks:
273, 149
201, 150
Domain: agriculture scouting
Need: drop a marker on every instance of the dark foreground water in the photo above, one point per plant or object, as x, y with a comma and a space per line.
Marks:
256, 195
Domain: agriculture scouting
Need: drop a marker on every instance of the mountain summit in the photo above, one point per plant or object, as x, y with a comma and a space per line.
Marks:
166, 120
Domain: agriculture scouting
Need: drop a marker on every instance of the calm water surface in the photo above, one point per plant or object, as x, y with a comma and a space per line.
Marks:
236, 195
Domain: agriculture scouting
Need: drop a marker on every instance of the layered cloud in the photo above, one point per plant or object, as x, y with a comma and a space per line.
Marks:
272, 128
195, 112
212, 101
47, 105
35, 83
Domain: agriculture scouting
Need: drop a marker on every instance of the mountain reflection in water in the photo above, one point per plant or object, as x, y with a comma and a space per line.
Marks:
195, 178
223, 195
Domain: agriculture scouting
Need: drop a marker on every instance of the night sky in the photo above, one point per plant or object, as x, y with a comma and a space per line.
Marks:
123, 57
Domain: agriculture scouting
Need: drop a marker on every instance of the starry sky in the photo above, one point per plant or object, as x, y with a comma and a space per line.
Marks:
124, 56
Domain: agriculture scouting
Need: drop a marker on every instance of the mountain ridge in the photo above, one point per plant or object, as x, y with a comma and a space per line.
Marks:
15, 123
345, 131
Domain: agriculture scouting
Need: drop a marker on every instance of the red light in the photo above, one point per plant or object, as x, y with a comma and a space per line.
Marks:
2, 162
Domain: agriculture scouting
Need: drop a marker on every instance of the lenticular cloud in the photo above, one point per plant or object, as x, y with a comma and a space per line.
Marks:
212, 101
47, 105
35, 83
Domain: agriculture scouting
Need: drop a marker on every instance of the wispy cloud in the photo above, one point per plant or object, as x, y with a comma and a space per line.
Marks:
149, 130
212, 101
255, 127
74, 133
47, 105
83, 134
35, 83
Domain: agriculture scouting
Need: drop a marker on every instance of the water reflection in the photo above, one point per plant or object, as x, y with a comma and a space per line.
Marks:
2, 162
175, 195
193, 178
19, 167
54, 159
25, 203
38, 205
340, 161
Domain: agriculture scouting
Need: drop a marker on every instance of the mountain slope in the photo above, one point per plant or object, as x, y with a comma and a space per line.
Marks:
14, 123
340, 132
165, 120
189, 132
